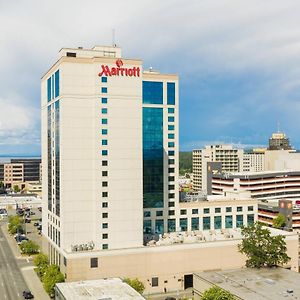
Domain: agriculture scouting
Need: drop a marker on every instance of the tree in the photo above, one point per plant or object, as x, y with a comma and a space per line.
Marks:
29, 247
51, 277
135, 284
41, 261
279, 221
16, 188
14, 224
1, 185
262, 249
216, 293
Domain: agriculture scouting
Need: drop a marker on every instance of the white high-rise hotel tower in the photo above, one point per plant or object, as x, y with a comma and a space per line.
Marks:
109, 152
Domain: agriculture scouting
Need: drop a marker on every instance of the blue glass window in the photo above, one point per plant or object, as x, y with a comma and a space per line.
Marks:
104, 131
152, 92
171, 144
206, 223
195, 224
104, 152
183, 224
147, 214
239, 221
104, 142
228, 221
171, 225
171, 136
56, 79
104, 90
171, 127
159, 226
104, 121
218, 222
171, 119
104, 100
147, 226
171, 92
49, 89
104, 79
171, 153
250, 219
104, 110
171, 110
153, 157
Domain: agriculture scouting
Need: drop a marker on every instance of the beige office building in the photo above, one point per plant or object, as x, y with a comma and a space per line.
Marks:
230, 158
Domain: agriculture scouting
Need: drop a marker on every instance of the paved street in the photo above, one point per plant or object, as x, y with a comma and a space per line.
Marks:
12, 282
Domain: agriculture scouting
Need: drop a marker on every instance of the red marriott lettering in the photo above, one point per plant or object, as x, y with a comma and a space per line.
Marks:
119, 70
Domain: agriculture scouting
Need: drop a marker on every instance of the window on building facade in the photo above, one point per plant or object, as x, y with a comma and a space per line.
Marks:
94, 262
171, 225
152, 92
206, 223
195, 224
183, 223
218, 222
228, 221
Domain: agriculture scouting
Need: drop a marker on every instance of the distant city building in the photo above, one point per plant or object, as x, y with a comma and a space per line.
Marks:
290, 209
254, 161
230, 158
267, 185
20, 170
279, 141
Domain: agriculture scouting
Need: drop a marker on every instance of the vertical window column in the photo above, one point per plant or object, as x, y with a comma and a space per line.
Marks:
104, 165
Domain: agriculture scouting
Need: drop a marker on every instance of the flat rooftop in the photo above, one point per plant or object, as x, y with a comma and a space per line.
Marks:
102, 289
252, 284
198, 236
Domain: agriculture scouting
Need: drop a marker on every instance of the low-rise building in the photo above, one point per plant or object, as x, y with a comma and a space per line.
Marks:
101, 289
250, 283
268, 211
169, 263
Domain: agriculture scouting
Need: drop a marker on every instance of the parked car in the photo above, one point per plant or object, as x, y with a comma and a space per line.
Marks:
40, 209
39, 227
36, 223
27, 295
27, 220
20, 212
20, 239
32, 213
3, 212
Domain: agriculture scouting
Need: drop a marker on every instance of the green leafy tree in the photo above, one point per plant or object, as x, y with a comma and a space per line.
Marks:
135, 284
1, 185
16, 189
29, 247
279, 221
14, 224
216, 293
262, 249
185, 162
41, 261
51, 277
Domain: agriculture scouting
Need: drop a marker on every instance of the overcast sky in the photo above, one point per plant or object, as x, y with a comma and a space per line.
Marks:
238, 62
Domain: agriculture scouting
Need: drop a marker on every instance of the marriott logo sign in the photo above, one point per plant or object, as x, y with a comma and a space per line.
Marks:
119, 70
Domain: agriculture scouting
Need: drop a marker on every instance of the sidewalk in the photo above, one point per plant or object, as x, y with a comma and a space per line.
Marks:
32, 280
34, 283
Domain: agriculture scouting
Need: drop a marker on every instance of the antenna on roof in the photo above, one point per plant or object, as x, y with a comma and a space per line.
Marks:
113, 38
